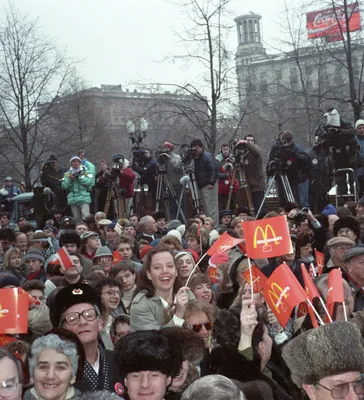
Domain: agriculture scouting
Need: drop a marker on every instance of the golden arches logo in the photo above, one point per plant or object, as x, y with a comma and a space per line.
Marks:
276, 295
3, 311
265, 240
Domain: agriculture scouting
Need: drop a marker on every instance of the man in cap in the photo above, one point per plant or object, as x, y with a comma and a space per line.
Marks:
8, 191
338, 246
34, 261
327, 362
226, 217
149, 362
103, 257
78, 182
76, 308
90, 242
354, 262
348, 227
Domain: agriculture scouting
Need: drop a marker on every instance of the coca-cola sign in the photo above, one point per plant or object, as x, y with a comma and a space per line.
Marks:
332, 21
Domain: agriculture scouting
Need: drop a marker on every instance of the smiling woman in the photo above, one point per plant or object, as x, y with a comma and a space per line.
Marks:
54, 363
159, 300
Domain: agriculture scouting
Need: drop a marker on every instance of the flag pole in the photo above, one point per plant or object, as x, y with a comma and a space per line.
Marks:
251, 279
194, 268
326, 310
345, 314
314, 310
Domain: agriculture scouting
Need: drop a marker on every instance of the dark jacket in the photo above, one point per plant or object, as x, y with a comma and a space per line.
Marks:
253, 167
206, 169
148, 173
294, 160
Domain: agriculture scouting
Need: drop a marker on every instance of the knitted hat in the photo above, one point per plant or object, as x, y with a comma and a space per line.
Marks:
167, 145
358, 123
347, 222
181, 229
68, 297
218, 259
75, 158
340, 240
116, 227
329, 210
69, 237
225, 212
87, 235
144, 251
184, 253
34, 253
8, 280
173, 224
103, 251
329, 350
176, 234
147, 351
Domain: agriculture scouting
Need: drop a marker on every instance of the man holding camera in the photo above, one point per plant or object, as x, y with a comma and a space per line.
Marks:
78, 182
174, 173
287, 157
206, 173
125, 177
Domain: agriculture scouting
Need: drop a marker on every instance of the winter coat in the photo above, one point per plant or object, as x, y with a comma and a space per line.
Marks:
90, 168
78, 189
126, 182
253, 167
174, 169
206, 170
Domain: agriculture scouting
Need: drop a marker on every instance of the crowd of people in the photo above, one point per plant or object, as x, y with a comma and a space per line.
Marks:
134, 318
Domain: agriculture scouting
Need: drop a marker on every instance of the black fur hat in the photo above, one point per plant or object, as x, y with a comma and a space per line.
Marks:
147, 351
192, 345
347, 222
69, 237
329, 350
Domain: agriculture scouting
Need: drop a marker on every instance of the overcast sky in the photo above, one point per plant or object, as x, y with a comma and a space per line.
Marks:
122, 41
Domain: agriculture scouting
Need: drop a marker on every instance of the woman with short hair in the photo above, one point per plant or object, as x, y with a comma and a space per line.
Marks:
14, 264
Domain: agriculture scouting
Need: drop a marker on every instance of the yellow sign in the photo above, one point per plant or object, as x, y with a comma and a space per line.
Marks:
265, 240
276, 295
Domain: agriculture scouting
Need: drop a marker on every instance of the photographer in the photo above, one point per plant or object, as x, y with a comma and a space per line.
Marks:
102, 185
287, 157
252, 163
225, 177
146, 166
8, 191
206, 173
174, 172
78, 182
126, 177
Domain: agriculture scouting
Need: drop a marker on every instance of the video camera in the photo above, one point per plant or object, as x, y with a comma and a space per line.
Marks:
187, 153
160, 155
76, 174
139, 157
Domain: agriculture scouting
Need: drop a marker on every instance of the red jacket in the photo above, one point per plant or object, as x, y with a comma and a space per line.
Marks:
224, 184
126, 182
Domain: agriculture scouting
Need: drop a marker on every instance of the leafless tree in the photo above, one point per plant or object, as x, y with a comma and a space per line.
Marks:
32, 72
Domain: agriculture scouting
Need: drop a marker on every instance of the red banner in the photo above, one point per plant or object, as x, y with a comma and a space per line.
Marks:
116, 257
13, 311
4, 340
283, 293
320, 261
224, 243
266, 238
311, 291
64, 258
335, 292
258, 278
212, 273
332, 21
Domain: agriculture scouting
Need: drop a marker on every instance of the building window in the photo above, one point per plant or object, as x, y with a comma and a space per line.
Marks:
293, 77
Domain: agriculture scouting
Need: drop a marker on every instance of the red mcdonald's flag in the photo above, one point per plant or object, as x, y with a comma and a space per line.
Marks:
224, 243
64, 258
283, 292
311, 292
32, 300
267, 238
320, 261
13, 311
116, 257
4, 340
335, 293
258, 278
212, 273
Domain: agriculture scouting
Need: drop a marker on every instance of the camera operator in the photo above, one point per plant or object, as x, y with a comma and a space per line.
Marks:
206, 173
225, 177
174, 172
254, 171
78, 182
287, 157
146, 166
126, 177
359, 128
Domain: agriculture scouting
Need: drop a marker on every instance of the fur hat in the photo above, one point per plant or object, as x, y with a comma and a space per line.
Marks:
68, 297
329, 350
347, 222
147, 351
69, 237
159, 215
192, 345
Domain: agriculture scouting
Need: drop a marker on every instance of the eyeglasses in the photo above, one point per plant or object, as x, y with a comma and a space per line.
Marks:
112, 293
340, 391
105, 259
198, 327
343, 247
74, 317
8, 387
345, 231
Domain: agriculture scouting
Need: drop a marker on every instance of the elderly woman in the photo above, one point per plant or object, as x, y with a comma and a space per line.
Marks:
54, 363
158, 301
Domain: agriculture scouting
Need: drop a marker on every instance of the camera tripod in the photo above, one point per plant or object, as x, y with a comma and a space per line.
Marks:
118, 202
191, 182
288, 194
166, 192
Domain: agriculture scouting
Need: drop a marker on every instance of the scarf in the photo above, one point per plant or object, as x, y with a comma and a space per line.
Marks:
99, 381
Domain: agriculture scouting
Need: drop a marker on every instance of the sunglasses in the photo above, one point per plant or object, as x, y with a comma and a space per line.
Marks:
197, 327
